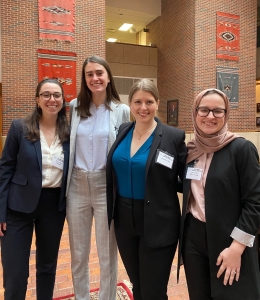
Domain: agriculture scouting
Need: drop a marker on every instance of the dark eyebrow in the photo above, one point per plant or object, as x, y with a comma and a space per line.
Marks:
49, 92
94, 71
209, 108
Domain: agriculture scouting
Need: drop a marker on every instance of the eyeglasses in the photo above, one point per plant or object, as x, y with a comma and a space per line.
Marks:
47, 96
217, 112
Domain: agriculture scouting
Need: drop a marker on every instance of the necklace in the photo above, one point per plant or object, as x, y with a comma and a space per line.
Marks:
140, 135
51, 130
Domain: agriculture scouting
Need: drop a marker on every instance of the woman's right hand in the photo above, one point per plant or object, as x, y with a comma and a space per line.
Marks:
229, 261
2, 228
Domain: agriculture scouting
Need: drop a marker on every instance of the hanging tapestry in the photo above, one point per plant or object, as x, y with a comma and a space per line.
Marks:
227, 82
61, 66
228, 36
56, 19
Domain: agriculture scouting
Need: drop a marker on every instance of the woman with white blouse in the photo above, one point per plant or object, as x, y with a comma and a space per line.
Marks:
96, 116
33, 172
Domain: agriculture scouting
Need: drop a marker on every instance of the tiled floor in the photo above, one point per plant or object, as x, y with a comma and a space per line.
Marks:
63, 285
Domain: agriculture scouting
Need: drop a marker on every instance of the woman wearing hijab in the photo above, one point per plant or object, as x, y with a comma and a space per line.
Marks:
221, 207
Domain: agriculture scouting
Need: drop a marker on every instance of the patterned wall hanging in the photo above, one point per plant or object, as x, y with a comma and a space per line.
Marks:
60, 65
56, 22
227, 82
228, 36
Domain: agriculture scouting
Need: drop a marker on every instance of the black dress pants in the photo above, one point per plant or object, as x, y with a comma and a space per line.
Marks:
196, 260
148, 268
48, 222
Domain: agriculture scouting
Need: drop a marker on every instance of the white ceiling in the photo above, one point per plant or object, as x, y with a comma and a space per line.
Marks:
116, 16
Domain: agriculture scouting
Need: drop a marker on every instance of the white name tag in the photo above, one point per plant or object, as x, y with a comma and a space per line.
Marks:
58, 162
194, 173
164, 159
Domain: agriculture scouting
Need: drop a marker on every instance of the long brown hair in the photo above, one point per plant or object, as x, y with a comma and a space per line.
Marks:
31, 122
85, 95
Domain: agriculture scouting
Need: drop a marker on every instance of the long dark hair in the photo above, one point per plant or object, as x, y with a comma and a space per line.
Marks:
85, 95
31, 122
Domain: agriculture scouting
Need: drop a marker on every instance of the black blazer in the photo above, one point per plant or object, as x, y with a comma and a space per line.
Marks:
232, 199
161, 210
21, 172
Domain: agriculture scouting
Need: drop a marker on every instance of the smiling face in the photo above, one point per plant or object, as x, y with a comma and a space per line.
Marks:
51, 106
143, 106
96, 78
210, 124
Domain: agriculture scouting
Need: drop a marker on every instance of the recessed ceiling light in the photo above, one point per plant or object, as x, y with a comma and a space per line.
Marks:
111, 30
132, 30
125, 27
111, 40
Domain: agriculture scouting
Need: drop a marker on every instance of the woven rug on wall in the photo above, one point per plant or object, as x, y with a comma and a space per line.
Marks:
57, 19
227, 82
228, 36
122, 293
60, 65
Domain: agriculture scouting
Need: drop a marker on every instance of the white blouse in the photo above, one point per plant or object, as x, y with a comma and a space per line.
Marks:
52, 162
92, 140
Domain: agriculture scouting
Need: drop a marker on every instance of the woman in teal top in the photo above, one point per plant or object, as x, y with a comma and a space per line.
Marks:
130, 171
143, 167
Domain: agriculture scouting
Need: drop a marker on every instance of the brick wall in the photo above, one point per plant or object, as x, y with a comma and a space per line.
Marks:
20, 41
185, 35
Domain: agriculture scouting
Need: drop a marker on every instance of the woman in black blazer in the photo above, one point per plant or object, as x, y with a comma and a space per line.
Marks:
143, 167
33, 174
221, 207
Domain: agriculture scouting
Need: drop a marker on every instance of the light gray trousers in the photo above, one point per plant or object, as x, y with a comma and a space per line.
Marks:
87, 198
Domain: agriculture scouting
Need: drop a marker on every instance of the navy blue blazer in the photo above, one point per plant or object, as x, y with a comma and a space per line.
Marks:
21, 172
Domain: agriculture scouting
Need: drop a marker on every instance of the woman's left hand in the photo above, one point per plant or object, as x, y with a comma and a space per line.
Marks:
229, 260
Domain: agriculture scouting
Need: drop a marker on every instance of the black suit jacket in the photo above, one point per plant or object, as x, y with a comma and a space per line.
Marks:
162, 210
21, 172
232, 199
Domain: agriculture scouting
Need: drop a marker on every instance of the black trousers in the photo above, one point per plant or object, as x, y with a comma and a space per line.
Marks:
48, 222
196, 260
148, 268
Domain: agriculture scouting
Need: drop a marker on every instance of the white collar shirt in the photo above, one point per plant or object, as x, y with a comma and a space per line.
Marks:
92, 140
51, 174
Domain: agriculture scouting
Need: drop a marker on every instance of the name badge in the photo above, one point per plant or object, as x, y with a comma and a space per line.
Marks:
164, 159
58, 162
194, 173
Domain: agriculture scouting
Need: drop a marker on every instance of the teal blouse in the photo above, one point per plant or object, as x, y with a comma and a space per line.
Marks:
130, 171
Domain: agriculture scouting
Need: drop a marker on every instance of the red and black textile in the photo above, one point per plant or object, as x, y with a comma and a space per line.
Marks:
57, 19
60, 65
228, 36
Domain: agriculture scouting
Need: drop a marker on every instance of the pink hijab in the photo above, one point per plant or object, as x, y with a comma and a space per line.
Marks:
208, 143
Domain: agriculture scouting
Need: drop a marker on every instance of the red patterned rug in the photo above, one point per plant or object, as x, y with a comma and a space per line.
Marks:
60, 65
122, 293
57, 19
228, 36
